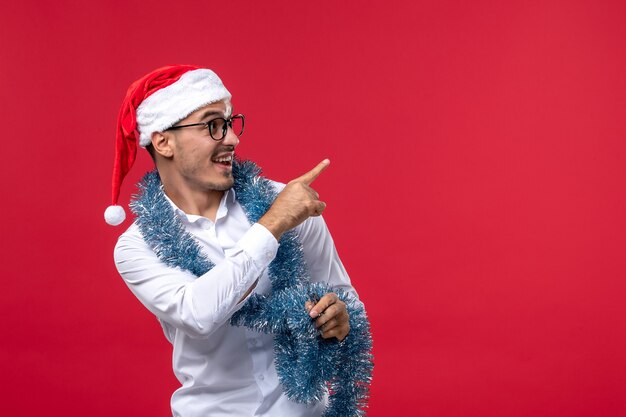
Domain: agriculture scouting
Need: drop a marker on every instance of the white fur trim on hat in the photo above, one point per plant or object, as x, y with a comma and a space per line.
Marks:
165, 107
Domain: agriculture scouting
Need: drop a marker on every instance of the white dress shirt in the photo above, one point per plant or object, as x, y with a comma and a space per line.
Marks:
223, 370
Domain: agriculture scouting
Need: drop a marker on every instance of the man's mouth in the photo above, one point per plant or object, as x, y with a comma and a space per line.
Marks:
224, 159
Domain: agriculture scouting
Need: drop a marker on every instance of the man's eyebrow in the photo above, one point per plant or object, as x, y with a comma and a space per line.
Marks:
211, 113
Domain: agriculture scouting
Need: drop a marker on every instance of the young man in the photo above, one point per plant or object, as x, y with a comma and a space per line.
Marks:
184, 116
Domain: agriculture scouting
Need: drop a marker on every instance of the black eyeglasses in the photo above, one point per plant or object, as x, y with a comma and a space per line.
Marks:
219, 126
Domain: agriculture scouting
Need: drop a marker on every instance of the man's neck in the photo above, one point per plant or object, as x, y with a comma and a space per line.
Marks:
199, 202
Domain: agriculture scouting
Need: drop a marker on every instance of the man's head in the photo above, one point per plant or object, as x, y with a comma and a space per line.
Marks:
155, 103
198, 151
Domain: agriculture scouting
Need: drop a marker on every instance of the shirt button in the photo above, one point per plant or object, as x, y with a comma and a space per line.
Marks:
252, 342
261, 377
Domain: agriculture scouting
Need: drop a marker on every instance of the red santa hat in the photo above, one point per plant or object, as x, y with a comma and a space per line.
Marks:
154, 103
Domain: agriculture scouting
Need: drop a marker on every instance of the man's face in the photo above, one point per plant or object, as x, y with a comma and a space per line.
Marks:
204, 163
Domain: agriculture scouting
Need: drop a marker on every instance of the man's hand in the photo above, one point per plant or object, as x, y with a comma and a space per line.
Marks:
331, 316
296, 203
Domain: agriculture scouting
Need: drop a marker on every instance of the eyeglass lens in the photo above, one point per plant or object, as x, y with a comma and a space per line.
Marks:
217, 127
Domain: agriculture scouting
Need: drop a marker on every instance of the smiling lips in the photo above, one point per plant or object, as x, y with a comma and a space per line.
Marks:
225, 159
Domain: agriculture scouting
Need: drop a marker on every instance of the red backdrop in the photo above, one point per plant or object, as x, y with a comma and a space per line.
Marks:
476, 191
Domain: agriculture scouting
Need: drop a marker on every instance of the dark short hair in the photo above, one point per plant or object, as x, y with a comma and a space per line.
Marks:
152, 152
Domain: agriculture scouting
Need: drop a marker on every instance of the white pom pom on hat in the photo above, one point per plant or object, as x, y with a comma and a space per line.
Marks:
154, 103
114, 215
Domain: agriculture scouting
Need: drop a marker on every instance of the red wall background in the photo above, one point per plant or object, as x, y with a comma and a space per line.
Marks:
476, 191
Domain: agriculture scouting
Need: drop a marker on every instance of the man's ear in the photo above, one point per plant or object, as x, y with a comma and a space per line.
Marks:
161, 144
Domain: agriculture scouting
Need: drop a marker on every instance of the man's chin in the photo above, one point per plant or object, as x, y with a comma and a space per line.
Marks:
225, 185
222, 188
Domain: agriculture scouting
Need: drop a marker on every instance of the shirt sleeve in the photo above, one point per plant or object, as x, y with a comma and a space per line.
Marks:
321, 255
195, 305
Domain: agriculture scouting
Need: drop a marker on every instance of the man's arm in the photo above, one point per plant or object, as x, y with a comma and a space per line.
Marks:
295, 204
195, 305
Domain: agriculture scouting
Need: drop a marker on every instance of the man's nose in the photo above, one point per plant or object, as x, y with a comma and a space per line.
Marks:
230, 138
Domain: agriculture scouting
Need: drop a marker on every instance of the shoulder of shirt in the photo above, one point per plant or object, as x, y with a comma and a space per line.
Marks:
278, 186
131, 235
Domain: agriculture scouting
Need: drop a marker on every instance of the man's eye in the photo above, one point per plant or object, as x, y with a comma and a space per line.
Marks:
215, 126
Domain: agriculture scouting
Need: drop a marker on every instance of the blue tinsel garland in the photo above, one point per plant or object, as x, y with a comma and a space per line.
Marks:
308, 366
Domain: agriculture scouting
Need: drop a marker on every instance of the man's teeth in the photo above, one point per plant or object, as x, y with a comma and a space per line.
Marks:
223, 159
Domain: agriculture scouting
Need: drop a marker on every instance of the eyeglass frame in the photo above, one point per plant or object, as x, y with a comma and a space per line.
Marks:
228, 122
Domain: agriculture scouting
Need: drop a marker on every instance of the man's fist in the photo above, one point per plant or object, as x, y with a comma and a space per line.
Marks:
295, 203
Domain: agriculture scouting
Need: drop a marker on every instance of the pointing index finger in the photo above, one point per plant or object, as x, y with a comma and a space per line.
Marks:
310, 176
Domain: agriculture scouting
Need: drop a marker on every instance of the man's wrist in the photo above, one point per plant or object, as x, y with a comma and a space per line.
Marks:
273, 225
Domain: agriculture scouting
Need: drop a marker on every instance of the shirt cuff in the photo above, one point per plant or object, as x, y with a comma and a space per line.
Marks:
260, 244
